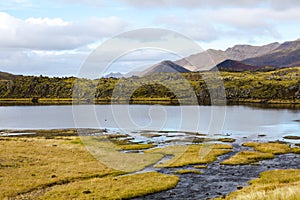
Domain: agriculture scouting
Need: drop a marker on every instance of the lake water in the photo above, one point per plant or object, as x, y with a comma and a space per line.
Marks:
236, 121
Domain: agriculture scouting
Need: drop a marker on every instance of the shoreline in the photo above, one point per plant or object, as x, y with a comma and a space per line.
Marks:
153, 101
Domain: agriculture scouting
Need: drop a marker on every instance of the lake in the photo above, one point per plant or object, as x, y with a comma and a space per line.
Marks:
233, 121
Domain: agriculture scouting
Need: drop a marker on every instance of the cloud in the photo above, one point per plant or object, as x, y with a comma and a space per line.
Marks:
51, 63
55, 34
194, 4
198, 29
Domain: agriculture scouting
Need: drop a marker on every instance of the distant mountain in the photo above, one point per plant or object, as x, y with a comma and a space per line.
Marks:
7, 76
165, 66
210, 58
234, 66
114, 75
285, 55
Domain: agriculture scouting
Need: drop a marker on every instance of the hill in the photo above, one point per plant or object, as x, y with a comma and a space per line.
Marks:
235, 66
210, 58
166, 66
286, 55
7, 76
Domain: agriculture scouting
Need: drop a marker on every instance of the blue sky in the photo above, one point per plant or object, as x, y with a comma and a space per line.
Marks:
54, 38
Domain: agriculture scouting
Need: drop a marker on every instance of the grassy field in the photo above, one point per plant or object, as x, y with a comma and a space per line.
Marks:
191, 154
60, 166
271, 185
32, 164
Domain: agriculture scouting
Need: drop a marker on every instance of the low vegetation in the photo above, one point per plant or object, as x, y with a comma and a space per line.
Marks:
188, 171
278, 86
230, 140
191, 154
122, 187
110, 153
275, 184
247, 157
200, 166
28, 164
271, 147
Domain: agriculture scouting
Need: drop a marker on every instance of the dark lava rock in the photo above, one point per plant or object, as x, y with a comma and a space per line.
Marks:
219, 180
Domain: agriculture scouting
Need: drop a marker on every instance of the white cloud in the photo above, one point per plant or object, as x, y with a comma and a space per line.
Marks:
199, 29
194, 4
55, 34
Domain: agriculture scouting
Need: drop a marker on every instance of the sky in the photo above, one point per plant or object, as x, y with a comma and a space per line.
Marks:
55, 38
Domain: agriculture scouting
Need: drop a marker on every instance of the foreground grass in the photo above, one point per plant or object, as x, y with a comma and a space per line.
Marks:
271, 147
27, 164
192, 154
247, 157
123, 187
262, 151
110, 154
188, 171
271, 185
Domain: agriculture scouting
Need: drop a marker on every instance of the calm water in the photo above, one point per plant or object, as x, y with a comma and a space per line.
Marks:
238, 121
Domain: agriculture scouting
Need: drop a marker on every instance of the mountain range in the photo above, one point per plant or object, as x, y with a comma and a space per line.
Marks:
237, 58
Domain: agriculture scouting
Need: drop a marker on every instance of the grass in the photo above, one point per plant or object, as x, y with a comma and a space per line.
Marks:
230, 140
296, 150
191, 154
123, 187
247, 157
271, 147
33, 163
136, 146
110, 154
188, 171
271, 185
200, 166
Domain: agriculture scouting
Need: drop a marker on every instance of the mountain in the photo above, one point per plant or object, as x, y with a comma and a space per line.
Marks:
165, 66
210, 58
285, 55
7, 76
114, 75
234, 66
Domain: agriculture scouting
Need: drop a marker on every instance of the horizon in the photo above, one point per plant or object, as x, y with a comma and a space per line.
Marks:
54, 39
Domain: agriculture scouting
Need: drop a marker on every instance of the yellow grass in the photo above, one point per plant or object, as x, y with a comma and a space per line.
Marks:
247, 157
136, 146
188, 171
200, 166
110, 154
271, 185
272, 147
27, 164
123, 187
191, 154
